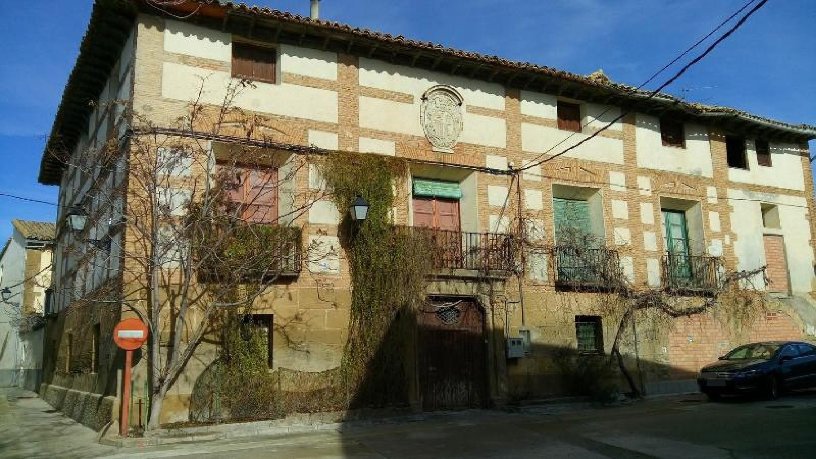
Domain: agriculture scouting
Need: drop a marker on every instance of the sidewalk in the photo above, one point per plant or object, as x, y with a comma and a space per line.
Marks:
31, 428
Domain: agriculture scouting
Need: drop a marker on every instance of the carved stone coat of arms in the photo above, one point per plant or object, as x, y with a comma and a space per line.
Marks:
441, 117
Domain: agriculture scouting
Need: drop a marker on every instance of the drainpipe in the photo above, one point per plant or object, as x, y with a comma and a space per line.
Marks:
314, 12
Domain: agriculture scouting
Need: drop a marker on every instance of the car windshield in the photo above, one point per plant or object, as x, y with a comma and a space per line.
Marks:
753, 351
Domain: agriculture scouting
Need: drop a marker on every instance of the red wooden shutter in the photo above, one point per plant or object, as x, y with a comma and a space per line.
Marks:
261, 198
423, 212
569, 116
447, 214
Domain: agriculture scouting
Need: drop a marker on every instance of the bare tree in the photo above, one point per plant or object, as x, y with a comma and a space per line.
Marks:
204, 215
580, 260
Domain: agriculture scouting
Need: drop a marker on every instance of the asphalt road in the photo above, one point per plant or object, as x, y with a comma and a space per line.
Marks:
678, 427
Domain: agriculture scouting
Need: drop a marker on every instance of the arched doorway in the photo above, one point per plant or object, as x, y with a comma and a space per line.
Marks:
452, 354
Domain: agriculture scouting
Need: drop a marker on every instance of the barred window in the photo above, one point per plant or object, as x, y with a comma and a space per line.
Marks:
589, 333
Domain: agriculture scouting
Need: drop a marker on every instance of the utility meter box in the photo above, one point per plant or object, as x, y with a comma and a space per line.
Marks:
515, 348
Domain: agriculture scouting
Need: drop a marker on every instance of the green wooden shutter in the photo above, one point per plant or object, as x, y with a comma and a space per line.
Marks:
676, 232
437, 189
677, 245
571, 219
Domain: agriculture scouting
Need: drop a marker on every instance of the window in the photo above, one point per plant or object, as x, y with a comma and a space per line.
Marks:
672, 133
806, 350
763, 152
254, 63
735, 151
95, 349
790, 351
589, 333
572, 221
770, 216
569, 116
259, 326
252, 192
436, 204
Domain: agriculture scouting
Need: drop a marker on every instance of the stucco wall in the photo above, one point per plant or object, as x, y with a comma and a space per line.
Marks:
694, 159
746, 217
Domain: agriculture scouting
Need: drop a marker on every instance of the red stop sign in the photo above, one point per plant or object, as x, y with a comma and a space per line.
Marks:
130, 334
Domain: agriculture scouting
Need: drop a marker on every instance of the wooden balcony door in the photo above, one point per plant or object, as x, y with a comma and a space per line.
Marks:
777, 263
441, 214
436, 213
677, 245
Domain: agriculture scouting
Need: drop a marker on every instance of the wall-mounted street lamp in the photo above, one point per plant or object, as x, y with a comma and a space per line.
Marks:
359, 210
5, 294
77, 218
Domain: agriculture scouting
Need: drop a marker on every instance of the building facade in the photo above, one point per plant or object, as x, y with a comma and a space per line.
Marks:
25, 276
665, 194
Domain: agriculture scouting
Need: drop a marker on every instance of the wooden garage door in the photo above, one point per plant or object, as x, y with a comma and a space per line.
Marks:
777, 271
452, 355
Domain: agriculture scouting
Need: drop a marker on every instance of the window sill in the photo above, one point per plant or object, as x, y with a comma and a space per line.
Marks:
678, 147
254, 79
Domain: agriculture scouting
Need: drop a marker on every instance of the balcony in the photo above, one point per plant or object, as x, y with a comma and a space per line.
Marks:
460, 250
691, 274
581, 268
248, 253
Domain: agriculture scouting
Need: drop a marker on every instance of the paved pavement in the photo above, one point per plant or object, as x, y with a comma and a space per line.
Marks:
31, 428
684, 427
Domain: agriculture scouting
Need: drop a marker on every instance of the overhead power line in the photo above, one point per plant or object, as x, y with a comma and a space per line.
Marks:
23, 198
652, 94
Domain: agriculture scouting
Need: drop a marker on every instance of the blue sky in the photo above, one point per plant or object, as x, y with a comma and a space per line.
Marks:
766, 68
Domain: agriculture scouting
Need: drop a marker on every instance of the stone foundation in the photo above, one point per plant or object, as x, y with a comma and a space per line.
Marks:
92, 410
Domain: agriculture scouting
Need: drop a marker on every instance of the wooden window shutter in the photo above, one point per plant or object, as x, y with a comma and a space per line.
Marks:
672, 133
571, 219
763, 152
569, 116
254, 63
261, 196
423, 212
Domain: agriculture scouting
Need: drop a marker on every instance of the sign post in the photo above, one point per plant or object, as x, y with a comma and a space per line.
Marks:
129, 335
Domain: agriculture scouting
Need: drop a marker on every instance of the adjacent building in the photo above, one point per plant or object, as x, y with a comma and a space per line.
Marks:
669, 195
25, 279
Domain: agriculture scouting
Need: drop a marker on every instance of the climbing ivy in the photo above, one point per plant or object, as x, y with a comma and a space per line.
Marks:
388, 268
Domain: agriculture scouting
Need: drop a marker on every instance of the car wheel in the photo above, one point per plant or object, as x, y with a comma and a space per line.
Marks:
713, 396
773, 389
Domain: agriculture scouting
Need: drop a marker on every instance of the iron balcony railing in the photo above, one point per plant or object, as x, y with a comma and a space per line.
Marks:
582, 267
469, 251
691, 273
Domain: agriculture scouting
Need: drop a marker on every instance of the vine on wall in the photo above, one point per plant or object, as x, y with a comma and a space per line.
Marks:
388, 268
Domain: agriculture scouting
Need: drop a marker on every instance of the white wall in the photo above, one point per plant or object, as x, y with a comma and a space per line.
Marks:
785, 170
182, 82
404, 118
694, 159
746, 223
536, 138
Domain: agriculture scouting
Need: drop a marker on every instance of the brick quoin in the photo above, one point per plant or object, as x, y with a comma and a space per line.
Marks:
697, 341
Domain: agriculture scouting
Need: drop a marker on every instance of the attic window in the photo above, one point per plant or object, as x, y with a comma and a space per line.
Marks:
256, 63
672, 133
735, 151
569, 116
763, 152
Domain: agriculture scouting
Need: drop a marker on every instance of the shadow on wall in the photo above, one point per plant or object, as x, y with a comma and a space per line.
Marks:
428, 367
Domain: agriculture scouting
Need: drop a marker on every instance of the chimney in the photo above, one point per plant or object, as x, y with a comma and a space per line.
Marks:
314, 13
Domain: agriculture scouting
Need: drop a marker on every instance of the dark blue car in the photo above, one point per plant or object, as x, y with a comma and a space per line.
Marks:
765, 368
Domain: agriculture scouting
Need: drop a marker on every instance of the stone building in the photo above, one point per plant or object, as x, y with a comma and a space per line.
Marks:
25, 275
672, 193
